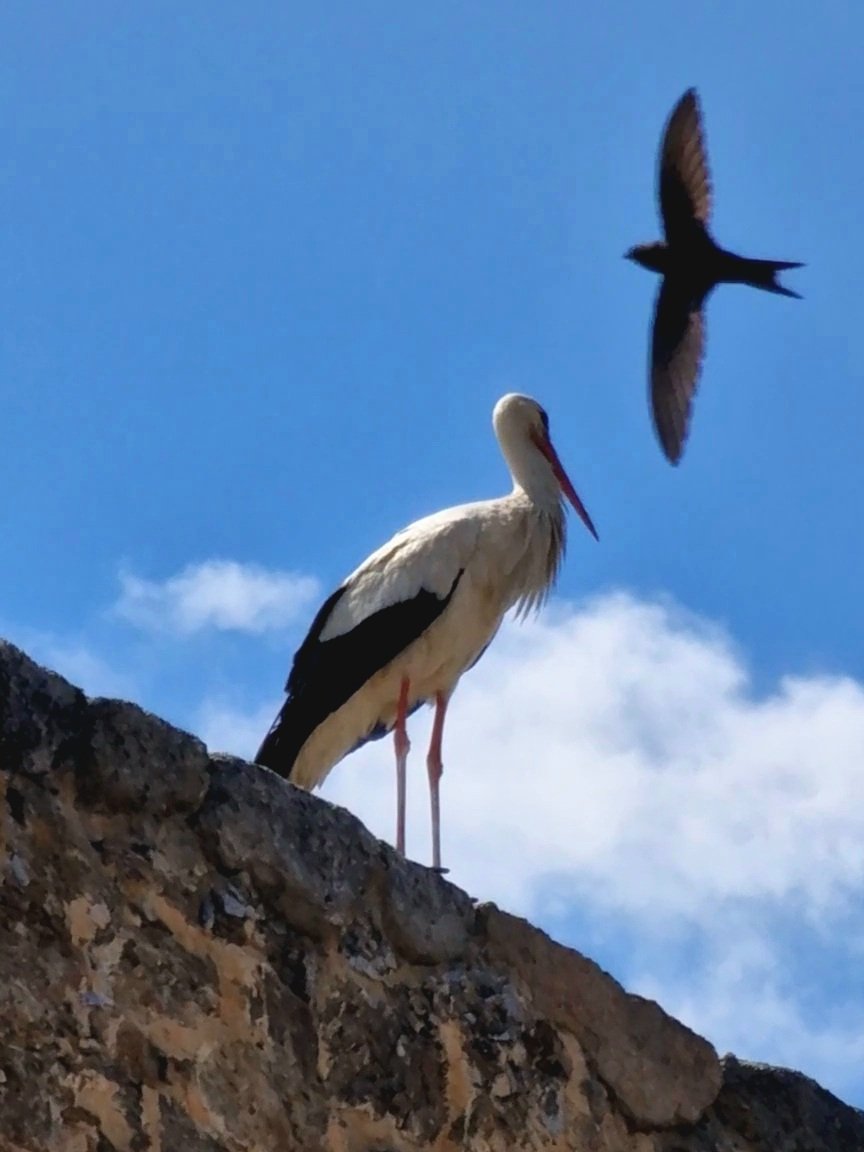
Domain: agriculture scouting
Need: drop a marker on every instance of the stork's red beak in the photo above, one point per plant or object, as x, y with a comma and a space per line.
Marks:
545, 446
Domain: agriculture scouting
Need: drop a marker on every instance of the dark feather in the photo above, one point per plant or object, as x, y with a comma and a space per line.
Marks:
326, 674
685, 184
677, 348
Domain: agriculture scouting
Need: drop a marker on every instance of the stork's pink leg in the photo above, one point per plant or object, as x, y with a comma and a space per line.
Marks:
402, 745
435, 767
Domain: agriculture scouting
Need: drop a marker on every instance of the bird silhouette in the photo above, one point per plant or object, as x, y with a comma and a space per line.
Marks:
691, 264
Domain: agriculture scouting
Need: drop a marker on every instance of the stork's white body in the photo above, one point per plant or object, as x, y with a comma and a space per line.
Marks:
500, 547
406, 624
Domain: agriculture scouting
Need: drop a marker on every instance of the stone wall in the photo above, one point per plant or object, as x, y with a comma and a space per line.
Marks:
194, 955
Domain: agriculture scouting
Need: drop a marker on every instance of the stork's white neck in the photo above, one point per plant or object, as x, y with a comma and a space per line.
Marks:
531, 471
534, 512
544, 522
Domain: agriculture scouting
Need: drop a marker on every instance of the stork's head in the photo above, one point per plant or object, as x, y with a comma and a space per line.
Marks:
522, 428
652, 256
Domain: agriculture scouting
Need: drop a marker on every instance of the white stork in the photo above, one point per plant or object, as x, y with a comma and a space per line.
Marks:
406, 624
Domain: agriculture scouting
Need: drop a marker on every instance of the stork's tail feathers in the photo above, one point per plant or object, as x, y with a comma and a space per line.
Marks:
763, 274
278, 751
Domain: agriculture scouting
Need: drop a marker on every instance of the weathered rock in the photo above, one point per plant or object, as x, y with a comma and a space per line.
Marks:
660, 1072
761, 1108
111, 760
38, 710
196, 955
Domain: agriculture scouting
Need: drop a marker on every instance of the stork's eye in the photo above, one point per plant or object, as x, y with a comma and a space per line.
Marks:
544, 420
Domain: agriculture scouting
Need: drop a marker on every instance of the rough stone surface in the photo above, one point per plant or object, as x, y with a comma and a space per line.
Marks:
194, 955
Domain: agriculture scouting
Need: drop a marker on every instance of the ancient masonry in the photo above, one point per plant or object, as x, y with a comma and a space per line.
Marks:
194, 955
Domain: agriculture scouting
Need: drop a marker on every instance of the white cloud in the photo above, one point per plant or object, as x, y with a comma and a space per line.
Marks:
742, 997
623, 734
219, 594
613, 763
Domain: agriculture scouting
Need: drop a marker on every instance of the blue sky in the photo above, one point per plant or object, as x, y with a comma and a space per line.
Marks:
265, 274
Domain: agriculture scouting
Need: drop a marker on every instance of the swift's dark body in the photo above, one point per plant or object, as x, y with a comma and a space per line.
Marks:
692, 264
